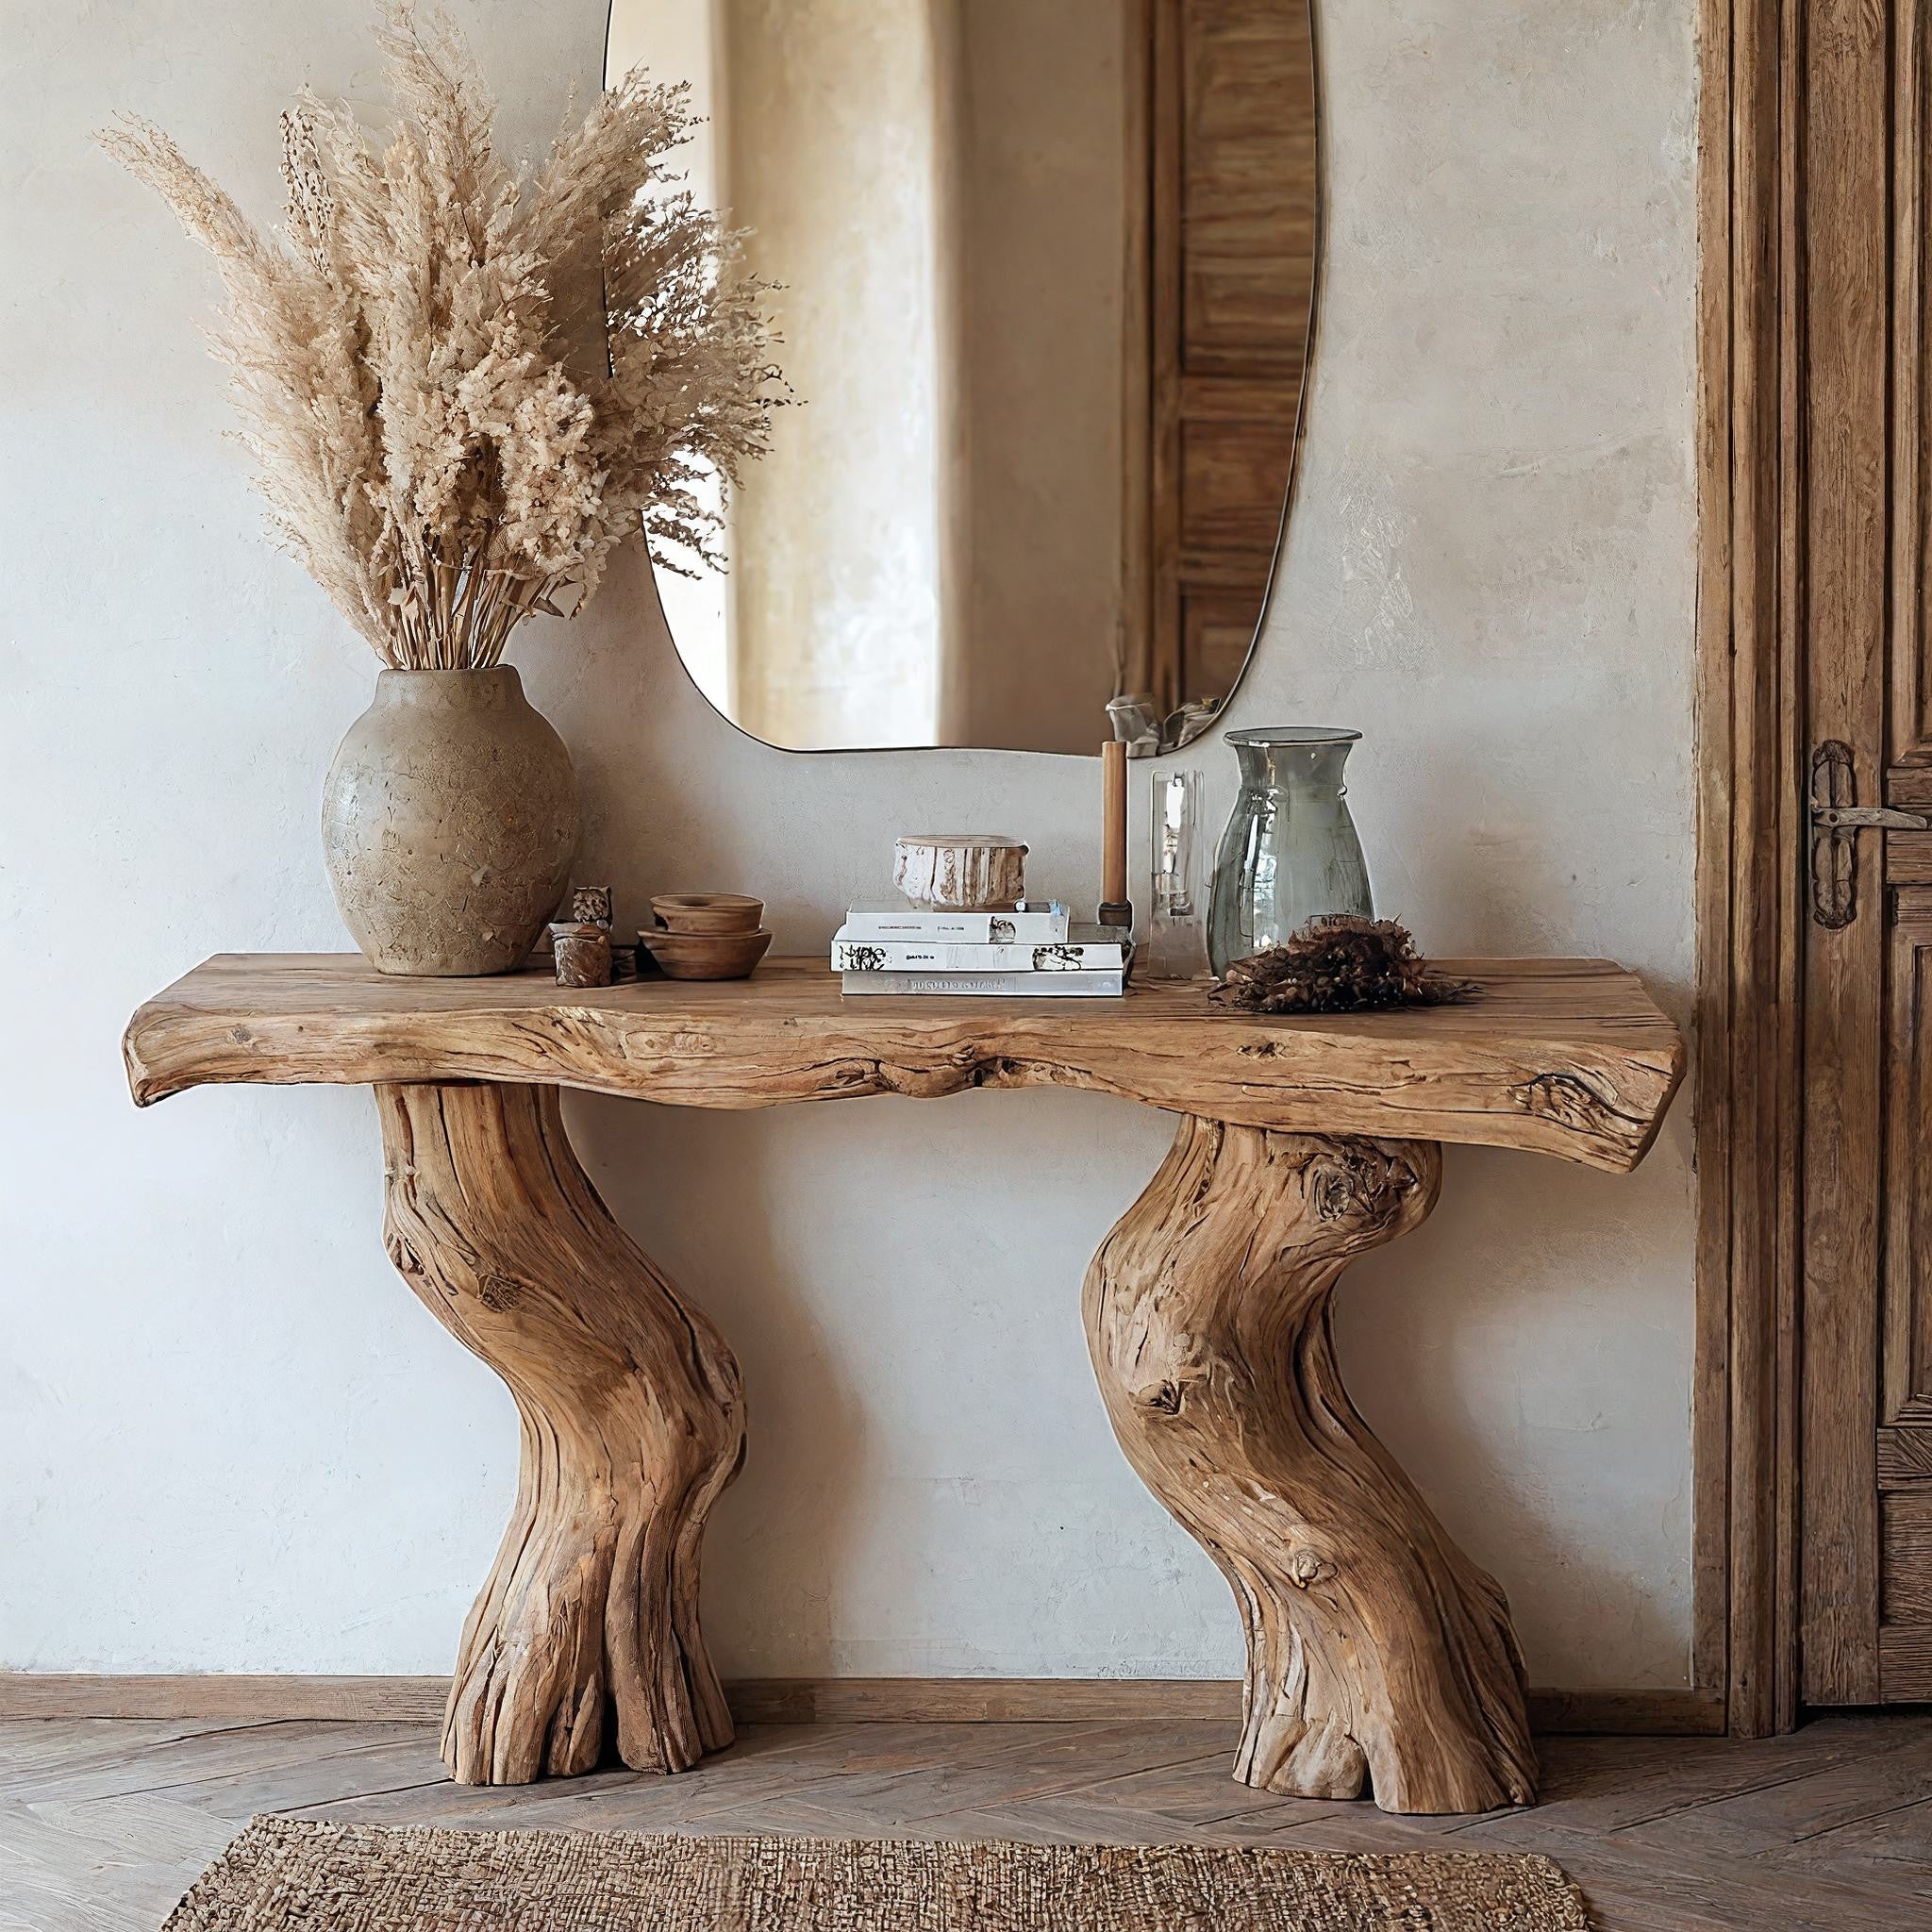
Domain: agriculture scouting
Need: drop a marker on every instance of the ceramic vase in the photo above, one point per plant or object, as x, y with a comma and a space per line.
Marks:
449, 824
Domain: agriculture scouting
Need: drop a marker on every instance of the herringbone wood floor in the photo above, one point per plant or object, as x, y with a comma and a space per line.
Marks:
103, 1823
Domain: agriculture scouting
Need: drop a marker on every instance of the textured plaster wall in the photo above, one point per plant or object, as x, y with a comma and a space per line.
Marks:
230, 1439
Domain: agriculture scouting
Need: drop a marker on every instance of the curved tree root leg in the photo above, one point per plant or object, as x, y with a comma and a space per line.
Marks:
633, 1421
1378, 1654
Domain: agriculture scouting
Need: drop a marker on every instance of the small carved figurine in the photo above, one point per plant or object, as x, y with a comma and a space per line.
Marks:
591, 905
583, 953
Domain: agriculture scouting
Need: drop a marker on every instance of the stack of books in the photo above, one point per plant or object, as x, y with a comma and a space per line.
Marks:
1033, 952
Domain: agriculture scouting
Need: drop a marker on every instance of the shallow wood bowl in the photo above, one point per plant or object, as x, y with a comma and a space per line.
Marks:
706, 955
707, 912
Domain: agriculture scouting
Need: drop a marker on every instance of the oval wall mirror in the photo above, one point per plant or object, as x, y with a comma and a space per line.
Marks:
1047, 289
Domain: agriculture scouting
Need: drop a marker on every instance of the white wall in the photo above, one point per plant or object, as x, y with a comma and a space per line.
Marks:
231, 1440
678, 41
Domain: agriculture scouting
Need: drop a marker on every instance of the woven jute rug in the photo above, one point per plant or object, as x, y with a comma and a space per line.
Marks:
285, 1876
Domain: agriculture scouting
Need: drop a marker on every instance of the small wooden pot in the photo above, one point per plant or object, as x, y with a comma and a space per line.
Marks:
706, 955
707, 912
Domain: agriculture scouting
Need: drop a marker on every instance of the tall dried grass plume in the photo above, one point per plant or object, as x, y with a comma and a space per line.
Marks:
400, 350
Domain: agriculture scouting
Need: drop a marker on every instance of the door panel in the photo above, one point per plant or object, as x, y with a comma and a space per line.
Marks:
1866, 1308
1843, 431
1904, 1519
1903, 1443
1233, 248
1909, 740
1217, 627
1906, 1336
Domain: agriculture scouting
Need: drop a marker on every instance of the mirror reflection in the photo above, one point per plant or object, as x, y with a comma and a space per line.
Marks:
1047, 275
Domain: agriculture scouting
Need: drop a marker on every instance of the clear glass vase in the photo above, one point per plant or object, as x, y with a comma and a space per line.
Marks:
1289, 853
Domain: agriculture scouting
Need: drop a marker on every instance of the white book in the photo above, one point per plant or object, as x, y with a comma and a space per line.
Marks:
1088, 984
1031, 924
1085, 947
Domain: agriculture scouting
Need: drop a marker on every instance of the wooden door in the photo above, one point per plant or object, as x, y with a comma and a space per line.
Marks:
1230, 263
1857, 496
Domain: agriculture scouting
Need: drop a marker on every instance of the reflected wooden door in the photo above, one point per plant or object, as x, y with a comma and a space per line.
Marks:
1229, 267
1856, 497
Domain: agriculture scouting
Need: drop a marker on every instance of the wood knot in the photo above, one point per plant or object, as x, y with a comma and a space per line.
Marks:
1164, 1396
1304, 1567
1347, 1184
498, 1292
1563, 1097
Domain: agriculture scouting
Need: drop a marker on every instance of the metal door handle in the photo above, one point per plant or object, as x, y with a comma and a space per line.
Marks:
1835, 823
1857, 818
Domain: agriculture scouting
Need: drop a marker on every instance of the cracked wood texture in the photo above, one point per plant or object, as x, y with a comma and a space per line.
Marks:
633, 1421
1379, 1656
1563, 1057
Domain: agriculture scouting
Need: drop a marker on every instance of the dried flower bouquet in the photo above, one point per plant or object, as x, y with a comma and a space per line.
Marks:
398, 352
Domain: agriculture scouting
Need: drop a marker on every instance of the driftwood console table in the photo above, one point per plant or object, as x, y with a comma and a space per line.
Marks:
1377, 1653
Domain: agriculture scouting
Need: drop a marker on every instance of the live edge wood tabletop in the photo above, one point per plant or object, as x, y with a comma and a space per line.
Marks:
1378, 1655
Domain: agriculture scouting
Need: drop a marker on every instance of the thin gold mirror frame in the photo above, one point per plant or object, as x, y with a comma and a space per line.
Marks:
860, 612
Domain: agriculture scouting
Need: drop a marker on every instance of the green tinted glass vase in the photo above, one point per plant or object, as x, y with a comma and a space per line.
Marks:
1289, 853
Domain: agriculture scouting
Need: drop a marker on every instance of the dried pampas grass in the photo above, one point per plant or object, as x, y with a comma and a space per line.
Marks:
397, 350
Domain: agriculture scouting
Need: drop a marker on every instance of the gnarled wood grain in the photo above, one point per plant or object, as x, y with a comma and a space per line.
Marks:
633, 1423
1378, 1655
1565, 1056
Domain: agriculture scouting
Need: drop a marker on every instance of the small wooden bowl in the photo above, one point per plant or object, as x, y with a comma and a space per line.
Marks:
706, 955
707, 912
